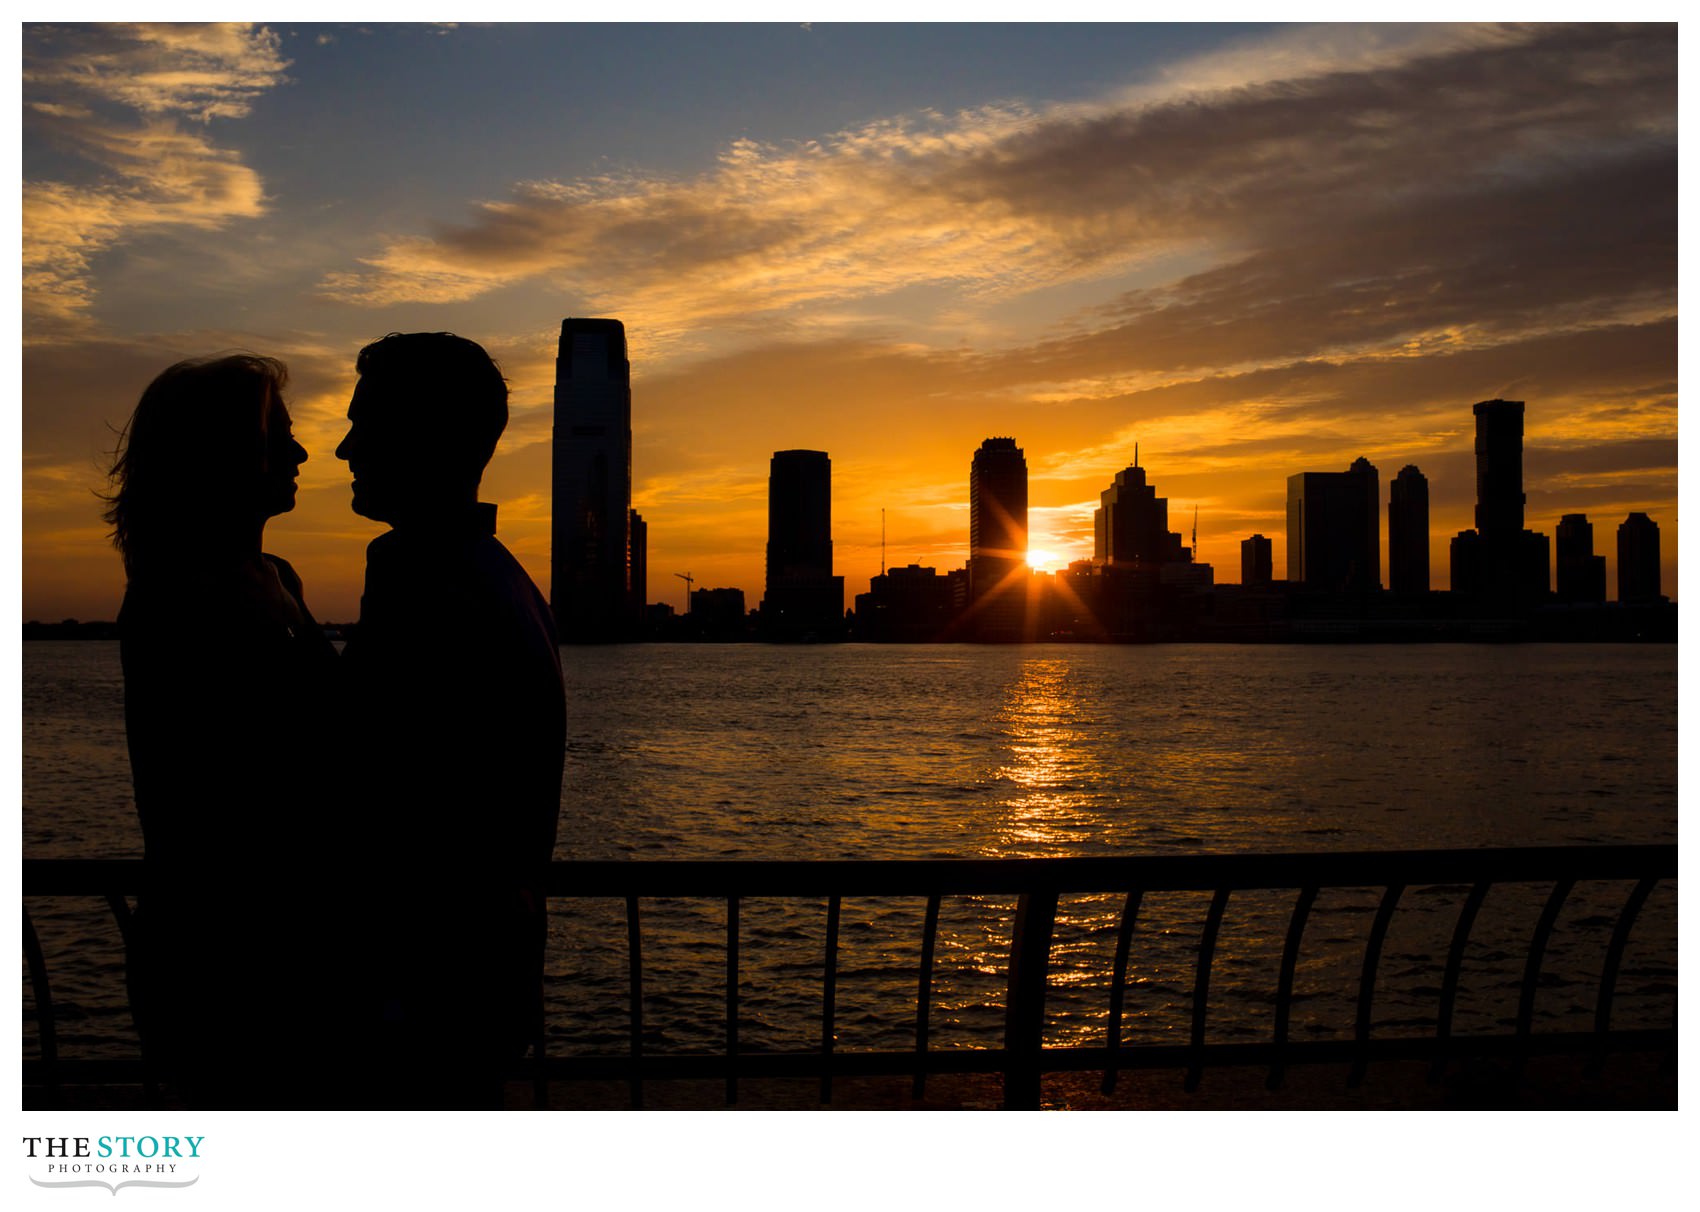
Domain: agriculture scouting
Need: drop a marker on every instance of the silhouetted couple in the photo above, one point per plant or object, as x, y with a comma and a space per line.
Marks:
344, 855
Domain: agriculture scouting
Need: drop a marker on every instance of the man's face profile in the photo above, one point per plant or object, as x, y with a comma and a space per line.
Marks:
376, 451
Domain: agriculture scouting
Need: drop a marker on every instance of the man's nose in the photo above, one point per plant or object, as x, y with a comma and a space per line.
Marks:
345, 447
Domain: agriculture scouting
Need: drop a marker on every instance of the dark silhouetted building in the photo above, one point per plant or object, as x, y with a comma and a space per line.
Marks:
640, 563
1638, 574
1407, 533
997, 539
591, 575
803, 599
1467, 567
718, 614
1334, 529
1257, 561
1581, 573
1499, 469
1131, 524
1512, 570
912, 605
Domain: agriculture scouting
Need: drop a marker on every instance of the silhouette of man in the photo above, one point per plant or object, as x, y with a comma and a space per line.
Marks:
458, 722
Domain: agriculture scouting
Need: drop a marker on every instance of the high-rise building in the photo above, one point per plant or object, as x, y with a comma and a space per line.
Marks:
1638, 575
1581, 573
1407, 533
997, 538
640, 563
1257, 561
1499, 469
591, 574
1334, 529
1513, 572
803, 597
1131, 524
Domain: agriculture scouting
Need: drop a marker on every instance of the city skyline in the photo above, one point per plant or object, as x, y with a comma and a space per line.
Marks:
1246, 249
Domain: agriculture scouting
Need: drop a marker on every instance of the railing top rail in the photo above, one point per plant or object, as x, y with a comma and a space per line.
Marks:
921, 877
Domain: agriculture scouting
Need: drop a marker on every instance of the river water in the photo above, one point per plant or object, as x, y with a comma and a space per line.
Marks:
956, 751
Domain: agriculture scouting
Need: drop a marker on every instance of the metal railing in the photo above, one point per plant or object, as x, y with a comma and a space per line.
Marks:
1038, 883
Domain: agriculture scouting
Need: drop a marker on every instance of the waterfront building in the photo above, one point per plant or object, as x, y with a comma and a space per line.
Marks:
718, 614
1407, 533
1638, 574
639, 531
803, 598
1334, 529
997, 539
1513, 572
911, 604
1581, 573
591, 546
1257, 561
1499, 469
1131, 524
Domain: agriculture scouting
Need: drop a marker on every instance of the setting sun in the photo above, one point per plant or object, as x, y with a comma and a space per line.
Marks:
1043, 561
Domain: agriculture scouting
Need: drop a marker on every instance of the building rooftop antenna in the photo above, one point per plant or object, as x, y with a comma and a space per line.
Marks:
1195, 530
883, 568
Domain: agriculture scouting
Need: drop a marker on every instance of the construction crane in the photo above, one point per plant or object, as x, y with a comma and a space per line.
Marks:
689, 581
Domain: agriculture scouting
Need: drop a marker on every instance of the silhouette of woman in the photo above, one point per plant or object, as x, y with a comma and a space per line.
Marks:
226, 680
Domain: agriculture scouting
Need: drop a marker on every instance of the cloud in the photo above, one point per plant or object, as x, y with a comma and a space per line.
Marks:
115, 98
1370, 185
200, 72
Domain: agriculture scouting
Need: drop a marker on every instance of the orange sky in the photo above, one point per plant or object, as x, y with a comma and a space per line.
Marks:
1272, 255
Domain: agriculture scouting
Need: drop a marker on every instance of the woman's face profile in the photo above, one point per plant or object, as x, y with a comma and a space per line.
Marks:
281, 462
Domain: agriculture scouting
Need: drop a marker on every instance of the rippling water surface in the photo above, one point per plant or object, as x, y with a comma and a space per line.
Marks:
854, 751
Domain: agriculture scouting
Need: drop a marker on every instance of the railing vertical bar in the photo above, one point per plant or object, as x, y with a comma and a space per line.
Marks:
1454, 968
1284, 992
126, 919
1201, 986
731, 1000
924, 996
1532, 969
1024, 1022
634, 966
46, 1029
829, 998
1118, 990
1366, 982
1608, 974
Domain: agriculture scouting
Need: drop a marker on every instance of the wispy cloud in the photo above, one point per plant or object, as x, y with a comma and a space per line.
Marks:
125, 100
1354, 196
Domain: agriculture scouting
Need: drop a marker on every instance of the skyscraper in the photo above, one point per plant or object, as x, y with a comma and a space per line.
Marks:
997, 537
640, 563
1407, 533
1581, 573
1334, 529
1499, 469
1638, 575
1514, 566
1257, 561
1131, 525
591, 583
803, 597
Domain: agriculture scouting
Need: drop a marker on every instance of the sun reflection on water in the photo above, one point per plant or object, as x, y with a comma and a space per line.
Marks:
1049, 766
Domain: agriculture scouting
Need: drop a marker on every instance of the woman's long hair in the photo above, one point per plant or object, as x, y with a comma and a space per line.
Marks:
197, 435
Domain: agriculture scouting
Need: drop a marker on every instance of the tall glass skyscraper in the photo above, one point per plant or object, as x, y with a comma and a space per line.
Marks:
803, 598
997, 538
1407, 533
591, 565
